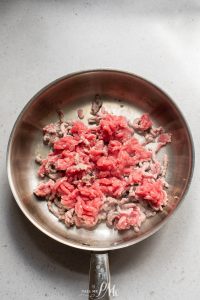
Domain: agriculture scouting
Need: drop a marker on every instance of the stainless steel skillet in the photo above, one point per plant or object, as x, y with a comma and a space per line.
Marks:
125, 94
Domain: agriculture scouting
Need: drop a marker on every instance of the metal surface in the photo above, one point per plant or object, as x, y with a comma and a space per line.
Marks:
77, 90
99, 287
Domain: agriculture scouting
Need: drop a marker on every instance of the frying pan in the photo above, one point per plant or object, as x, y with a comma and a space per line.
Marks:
125, 94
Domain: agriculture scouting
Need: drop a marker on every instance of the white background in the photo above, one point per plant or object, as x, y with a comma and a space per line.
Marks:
43, 40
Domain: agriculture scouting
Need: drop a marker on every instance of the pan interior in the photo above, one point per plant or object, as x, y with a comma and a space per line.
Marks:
123, 94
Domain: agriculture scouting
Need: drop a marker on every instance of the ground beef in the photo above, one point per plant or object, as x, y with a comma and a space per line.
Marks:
153, 192
103, 173
96, 105
163, 139
80, 113
143, 123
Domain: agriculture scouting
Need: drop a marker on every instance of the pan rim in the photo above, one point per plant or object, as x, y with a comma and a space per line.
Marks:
67, 241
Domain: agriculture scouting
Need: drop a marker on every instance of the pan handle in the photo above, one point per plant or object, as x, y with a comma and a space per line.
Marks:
99, 277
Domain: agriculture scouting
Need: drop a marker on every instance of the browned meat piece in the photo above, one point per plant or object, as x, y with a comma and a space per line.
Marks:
96, 105
80, 113
94, 120
152, 135
155, 132
38, 159
69, 219
60, 115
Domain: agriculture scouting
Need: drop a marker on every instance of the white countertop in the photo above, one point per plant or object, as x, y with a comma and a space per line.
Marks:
43, 40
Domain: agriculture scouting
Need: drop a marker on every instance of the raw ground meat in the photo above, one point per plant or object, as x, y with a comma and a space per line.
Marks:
163, 139
102, 173
143, 123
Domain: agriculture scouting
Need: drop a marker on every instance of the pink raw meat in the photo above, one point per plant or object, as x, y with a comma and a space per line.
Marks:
102, 172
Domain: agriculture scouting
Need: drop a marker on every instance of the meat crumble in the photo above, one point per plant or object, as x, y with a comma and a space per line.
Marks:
103, 173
